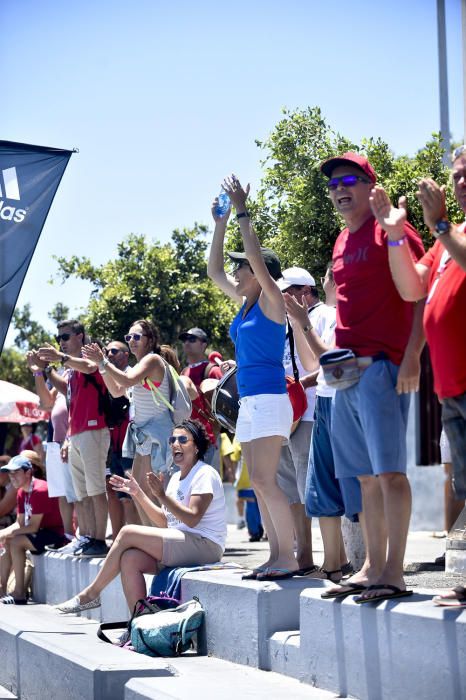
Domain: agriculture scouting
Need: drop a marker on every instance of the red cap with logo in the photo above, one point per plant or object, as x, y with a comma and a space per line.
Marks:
361, 162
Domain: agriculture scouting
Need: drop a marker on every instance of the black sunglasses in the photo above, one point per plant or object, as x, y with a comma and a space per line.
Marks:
134, 336
112, 351
346, 181
63, 336
182, 439
190, 339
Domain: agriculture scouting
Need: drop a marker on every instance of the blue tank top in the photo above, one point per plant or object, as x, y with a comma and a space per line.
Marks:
259, 344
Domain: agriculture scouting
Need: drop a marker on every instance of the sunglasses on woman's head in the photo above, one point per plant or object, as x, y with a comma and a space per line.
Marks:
346, 181
182, 439
134, 336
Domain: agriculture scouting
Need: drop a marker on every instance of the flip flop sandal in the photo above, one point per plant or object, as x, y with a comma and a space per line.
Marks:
274, 574
458, 602
9, 600
396, 593
353, 589
253, 575
306, 570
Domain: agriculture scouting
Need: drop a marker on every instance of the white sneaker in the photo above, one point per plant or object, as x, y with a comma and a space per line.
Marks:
75, 544
75, 606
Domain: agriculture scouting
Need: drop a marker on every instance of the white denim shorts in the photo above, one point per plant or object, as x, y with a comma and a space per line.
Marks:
264, 415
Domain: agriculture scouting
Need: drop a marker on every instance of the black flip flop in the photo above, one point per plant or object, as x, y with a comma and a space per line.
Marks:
396, 593
306, 570
353, 589
275, 574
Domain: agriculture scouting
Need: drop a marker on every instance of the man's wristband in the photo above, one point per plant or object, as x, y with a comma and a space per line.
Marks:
395, 244
243, 215
38, 373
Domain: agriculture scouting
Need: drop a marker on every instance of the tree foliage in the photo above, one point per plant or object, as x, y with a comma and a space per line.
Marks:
167, 283
292, 212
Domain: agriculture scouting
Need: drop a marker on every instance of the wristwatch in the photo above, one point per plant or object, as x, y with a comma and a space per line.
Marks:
64, 359
441, 227
307, 328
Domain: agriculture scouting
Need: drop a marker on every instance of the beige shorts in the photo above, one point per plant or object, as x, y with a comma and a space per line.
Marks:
186, 549
88, 459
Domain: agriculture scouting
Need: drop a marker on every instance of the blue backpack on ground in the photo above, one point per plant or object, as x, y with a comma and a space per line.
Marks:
168, 632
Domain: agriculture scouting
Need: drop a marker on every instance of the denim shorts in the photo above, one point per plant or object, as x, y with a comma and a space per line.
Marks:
327, 496
369, 421
454, 423
264, 415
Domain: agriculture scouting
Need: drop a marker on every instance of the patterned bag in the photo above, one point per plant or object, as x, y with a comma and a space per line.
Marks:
150, 605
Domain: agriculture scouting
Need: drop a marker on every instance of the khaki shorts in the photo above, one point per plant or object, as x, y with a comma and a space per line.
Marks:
88, 459
186, 549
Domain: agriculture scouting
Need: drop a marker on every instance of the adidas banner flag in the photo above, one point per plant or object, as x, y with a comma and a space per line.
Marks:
29, 178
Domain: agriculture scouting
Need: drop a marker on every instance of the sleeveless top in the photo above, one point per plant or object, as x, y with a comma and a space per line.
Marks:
143, 407
259, 344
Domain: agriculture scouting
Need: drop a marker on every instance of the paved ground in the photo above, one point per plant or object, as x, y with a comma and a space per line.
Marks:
421, 552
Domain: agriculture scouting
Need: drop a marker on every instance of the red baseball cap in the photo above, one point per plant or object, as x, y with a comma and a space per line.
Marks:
361, 162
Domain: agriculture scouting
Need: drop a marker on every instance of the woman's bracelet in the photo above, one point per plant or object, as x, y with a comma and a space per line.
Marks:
243, 215
399, 241
38, 373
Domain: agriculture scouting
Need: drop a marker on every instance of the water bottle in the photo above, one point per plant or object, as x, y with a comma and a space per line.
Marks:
223, 204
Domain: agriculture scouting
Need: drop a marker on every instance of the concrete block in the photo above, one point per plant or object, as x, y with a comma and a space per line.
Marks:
390, 651
241, 616
285, 654
205, 678
6, 695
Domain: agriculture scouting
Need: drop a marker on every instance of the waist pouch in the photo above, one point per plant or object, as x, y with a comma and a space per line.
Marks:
342, 368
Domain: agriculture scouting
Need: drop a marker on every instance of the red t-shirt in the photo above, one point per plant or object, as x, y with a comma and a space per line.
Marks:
197, 374
40, 502
83, 402
371, 315
445, 321
30, 442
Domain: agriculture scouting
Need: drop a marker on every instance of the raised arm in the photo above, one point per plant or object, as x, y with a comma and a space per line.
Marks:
150, 365
50, 354
308, 343
47, 396
274, 305
216, 263
410, 278
432, 198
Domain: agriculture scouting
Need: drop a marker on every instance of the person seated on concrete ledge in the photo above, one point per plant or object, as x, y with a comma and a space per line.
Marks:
38, 523
190, 527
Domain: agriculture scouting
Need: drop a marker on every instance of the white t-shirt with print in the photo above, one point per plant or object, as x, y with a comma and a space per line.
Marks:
317, 316
201, 479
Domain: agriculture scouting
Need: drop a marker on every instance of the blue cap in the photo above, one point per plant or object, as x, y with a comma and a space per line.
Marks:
16, 463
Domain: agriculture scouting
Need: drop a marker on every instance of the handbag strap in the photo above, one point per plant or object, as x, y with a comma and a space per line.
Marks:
110, 626
293, 359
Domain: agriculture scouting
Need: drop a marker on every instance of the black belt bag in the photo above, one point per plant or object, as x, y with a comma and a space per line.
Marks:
342, 368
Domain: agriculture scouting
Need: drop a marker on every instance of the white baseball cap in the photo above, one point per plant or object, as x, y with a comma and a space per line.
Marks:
295, 276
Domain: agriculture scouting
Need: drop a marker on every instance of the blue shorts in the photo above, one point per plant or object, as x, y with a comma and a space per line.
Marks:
369, 424
325, 495
454, 423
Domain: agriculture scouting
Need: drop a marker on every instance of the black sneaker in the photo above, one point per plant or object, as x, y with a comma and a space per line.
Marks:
82, 545
95, 548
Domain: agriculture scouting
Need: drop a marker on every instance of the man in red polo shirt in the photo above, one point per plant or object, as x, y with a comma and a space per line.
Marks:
38, 523
440, 277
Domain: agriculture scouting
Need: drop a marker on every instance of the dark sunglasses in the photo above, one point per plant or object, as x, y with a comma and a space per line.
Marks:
134, 336
182, 439
346, 181
191, 339
63, 336
112, 351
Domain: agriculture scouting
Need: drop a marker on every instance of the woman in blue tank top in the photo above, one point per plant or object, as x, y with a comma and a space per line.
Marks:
265, 413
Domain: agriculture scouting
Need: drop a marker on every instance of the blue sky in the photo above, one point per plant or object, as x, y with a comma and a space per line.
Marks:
165, 98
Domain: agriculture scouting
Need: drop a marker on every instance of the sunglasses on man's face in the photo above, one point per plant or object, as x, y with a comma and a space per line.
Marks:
191, 339
63, 336
346, 181
182, 439
112, 351
134, 336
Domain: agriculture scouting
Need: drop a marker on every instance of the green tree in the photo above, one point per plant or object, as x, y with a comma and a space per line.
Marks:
14, 369
291, 210
30, 333
167, 283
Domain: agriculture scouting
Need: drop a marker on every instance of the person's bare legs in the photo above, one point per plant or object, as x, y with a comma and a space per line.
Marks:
264, 460
453, 506
134, 564
330, 528
130, 512
303, 532
147, 539
265, 516
396, 493
100, 506
5, 570
85, 514
18, 546
142, 465
66, 512
115, 510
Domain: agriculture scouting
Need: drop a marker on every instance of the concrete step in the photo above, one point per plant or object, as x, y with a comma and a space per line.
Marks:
205, 678
241, 616
6, 695
58, 577
47, 655
392, 650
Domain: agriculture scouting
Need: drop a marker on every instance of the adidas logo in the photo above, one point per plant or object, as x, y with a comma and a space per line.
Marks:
10, 190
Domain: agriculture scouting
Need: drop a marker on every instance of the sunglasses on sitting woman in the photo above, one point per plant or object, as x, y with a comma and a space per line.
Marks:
346, 181
182, 439
134, 336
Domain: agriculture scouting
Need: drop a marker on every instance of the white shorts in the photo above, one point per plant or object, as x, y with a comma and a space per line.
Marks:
264, 415
445, 451
58, 472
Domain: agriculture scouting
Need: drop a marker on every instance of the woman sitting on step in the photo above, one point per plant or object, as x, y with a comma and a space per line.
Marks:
190, 528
